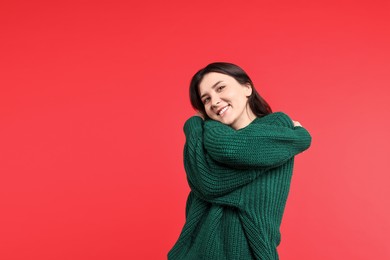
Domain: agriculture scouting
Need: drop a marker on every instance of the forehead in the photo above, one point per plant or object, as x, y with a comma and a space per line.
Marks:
210, 79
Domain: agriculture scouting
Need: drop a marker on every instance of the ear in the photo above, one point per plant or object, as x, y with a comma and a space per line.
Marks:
248, 89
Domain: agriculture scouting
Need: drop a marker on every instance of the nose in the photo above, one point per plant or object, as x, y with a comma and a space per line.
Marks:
215, 102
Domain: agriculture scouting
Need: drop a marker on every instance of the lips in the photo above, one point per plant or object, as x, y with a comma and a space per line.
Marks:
222, 110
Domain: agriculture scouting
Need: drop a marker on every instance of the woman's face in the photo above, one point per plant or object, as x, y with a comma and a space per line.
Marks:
226, 100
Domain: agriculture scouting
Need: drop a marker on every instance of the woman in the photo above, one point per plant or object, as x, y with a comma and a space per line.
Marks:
238, 158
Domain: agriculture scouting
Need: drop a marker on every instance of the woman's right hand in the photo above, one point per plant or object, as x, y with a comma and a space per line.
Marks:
199, 114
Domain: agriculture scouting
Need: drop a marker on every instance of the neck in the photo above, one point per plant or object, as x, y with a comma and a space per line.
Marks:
248, 117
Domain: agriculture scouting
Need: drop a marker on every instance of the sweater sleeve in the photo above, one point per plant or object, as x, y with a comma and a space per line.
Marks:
265, 143
207, 178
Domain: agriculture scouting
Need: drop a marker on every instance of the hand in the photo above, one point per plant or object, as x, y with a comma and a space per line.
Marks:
296, 123
199, 114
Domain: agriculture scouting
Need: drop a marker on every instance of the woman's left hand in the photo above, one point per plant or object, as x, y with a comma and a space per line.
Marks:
296, 123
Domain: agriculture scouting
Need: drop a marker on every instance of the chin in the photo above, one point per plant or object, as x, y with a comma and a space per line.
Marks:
226, 122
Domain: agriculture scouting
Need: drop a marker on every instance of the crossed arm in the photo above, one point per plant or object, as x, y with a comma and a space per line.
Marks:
219, 159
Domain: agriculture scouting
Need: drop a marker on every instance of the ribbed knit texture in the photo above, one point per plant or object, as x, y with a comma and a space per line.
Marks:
239, 184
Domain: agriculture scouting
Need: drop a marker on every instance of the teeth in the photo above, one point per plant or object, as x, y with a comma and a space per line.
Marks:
223, 110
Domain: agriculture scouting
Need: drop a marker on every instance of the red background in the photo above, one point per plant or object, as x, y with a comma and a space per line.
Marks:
94, 95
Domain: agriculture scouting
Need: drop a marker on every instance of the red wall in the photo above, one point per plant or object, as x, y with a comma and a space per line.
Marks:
94, 94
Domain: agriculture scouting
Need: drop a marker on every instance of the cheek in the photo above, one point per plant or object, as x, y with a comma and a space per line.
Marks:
243, 100
208, 111
229, 96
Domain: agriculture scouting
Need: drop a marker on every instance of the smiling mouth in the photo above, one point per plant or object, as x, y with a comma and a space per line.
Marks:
223, 110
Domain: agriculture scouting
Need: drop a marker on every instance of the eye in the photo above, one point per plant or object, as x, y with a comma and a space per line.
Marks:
206, 100
220, 88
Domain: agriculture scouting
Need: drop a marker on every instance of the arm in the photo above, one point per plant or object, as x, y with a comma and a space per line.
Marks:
208, 179
265, 143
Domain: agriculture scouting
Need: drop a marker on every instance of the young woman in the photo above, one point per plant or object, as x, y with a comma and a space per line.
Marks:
238, 158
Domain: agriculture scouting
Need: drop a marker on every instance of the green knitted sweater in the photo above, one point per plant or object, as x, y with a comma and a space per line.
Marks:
239, 182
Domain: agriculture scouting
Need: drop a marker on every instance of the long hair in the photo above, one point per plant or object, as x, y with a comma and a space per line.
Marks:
258, 105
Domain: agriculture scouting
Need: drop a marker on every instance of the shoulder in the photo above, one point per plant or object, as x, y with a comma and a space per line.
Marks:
276, 118
193, 124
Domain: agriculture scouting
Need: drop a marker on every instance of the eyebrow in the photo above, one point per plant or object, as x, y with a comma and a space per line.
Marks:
212, 87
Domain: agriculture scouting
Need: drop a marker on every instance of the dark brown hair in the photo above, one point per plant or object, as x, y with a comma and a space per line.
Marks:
258, 105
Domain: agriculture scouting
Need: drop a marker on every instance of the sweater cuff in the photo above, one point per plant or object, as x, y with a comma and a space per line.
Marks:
193, 124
